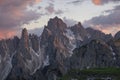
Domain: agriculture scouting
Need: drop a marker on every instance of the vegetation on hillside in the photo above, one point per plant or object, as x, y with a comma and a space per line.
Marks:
97, 73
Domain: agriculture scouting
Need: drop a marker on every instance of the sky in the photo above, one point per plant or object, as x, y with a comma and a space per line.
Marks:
15, 15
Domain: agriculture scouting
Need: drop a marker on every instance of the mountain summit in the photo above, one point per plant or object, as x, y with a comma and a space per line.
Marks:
24, 38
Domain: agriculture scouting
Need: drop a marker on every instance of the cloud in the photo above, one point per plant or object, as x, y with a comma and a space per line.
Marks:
14, 13
59, 12
101, 2
69, 22
7, 34
51, 9
109, 22
37, 1
52, 1
75, 2
37, 31
96, 2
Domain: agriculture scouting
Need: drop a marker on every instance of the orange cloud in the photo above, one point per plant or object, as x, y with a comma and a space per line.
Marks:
109, 30
97, 2
37, 1
14, 14
7, 34
113, 29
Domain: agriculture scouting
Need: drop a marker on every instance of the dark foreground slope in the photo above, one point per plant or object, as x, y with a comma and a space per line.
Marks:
92, 74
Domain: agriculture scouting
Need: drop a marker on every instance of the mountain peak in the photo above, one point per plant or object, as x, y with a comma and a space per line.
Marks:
56, 23
24, 32
79, 23
79, 31
25, 38
56, 17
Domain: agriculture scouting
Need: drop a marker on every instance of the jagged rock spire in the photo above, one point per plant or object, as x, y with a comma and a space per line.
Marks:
24, 32
56, 23
25, 38
79, 30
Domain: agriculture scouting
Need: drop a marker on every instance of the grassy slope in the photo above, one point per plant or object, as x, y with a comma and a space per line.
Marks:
83, 74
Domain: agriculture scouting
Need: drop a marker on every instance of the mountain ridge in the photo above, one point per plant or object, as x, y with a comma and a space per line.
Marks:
56, 51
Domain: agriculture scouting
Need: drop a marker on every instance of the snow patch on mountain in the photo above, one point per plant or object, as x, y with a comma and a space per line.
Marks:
36, 60
72, 41
6, 70
0, 59
46, 61
111, 48
69, 34
7, 66
113, 53
89, 36
79, 38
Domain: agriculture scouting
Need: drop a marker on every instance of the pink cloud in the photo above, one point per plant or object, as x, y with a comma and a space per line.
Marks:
14, 14
101, 2
96, 2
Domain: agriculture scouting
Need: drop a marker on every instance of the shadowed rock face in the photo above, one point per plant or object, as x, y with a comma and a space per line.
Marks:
35, 53
96, 54
117, 35
24, 44
28, 57
7, 51
35, 42
79, 31
57, 50
96, 34
25, 39
55, 43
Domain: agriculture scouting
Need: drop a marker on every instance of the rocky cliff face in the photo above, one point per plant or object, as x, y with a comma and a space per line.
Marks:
79, 32
7, 51
27, 58
96, 54
117, 35
96, 34
57, 50
56, 45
